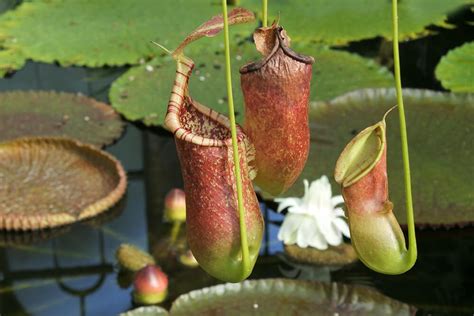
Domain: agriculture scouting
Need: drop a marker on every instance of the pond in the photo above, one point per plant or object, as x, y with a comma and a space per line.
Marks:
72, 270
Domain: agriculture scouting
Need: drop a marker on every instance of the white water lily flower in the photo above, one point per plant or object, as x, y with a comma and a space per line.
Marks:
313, 220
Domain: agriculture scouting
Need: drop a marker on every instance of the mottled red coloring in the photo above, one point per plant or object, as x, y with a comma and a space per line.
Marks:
276, 92
212, 218
370, 193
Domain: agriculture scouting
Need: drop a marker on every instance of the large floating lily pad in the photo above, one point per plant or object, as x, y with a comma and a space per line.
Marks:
338, 72
26, 114
338, 22
441, 145
456, 69
143, 92
97, 33
49, 182
287, 297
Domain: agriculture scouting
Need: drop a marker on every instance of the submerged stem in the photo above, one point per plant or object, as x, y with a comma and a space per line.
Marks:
412, 250
235, 149
264, 13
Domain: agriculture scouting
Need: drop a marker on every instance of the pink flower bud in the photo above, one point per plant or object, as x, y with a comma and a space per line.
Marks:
175, 205
151, 285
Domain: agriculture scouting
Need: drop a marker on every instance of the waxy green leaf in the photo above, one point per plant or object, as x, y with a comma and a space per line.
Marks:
143, 92
441, 149
456, 69
45, 113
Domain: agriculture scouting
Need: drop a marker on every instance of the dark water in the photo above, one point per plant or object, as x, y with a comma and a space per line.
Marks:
71, 270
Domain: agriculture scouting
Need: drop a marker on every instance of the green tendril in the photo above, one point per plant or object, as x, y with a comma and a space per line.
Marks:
238, 179
412, 251
264, 13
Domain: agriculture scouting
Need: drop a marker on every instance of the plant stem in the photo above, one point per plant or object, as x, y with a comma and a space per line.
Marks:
175, 231
238, 179
412, 251
264, 13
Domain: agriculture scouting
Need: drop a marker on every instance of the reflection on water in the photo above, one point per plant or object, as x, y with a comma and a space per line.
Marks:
71, 270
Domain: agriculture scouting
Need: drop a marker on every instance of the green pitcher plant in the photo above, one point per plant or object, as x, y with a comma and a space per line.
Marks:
361, 170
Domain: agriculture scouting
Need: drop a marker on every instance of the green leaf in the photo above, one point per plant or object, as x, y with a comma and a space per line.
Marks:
10, 60
28, 113
342, 21
441, 149
107, 32
456, 69
143, 92
337, 72
286, 297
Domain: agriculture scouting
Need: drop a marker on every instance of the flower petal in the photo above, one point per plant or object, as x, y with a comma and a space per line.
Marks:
289, 228
332, 235
342, 225
287, 202
336, 200
305, 232
339, 212
317, 240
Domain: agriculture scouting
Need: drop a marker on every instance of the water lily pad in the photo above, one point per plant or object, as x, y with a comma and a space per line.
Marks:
143, 92
146, 311
10, 60
456, 69
287, 297
49, 182
97, 33
334, 256
339, 22
26, 114
338, 72
441, 149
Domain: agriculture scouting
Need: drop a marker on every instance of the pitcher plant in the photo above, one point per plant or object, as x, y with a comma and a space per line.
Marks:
361, 170
276, 92
206, 153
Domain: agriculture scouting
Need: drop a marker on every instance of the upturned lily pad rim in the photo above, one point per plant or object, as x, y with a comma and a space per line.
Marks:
311, 256
311, 291
40, 221
146, 311
408, 93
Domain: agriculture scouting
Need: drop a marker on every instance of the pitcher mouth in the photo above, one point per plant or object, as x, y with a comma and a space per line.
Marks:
279, 43
200, 125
